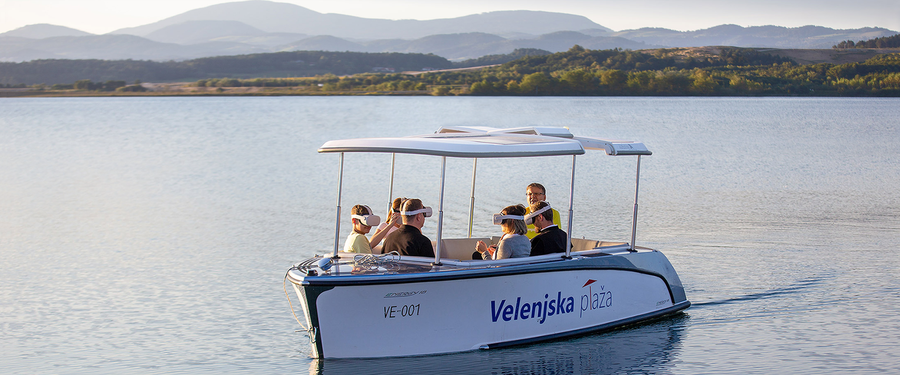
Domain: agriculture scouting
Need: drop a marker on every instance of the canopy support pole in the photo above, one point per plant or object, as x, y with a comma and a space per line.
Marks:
472, 202
571, 202
637, 181
391, 188
337, 220
440, 226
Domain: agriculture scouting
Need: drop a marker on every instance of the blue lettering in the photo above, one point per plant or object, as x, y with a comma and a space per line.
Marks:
526, 308
540, 310
544, 316
507, 313
516, 314
585, 304
495, 312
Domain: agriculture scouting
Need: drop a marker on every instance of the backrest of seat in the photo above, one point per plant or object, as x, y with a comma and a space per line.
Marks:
460, 248
583, 244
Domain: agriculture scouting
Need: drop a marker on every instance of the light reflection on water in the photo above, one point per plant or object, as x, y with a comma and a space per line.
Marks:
151, 235
648, 348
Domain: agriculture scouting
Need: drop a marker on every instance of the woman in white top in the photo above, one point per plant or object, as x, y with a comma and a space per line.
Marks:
513, 244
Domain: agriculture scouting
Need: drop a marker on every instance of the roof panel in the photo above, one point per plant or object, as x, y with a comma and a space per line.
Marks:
485, 142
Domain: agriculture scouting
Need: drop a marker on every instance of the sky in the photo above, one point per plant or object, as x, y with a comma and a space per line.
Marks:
103, 16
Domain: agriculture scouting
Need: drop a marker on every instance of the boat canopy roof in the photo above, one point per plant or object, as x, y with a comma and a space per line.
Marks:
488, 142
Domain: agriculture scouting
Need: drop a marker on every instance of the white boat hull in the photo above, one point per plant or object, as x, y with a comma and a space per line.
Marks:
472, 310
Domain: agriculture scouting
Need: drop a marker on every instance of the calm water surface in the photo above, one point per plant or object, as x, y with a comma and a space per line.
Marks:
151, 235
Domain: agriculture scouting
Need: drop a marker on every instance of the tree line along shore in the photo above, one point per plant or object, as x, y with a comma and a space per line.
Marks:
709, 71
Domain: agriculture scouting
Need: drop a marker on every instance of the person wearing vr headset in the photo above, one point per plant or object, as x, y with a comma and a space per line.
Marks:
513, 244
363, 220
409, 240
549, 239
392, 224
535, 192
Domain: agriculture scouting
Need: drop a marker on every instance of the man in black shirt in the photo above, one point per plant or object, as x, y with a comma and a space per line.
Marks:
550, 239
408, 239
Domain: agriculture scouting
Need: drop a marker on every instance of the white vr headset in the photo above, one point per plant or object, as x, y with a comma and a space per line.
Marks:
529, 219
367, 220
427, 211
498, 218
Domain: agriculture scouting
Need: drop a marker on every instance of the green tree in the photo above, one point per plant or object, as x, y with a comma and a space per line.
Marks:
579, 80
614, 79
535, 83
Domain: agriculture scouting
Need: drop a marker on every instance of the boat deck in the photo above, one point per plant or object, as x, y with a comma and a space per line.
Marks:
353, 264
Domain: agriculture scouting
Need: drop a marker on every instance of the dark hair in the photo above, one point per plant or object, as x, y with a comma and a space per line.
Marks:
517, 226
360, 209
412, 205
537, 185
547, 215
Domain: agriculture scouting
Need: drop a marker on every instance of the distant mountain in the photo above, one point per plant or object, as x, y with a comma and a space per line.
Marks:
456, 47
193, 32
263, 26
325, 43
112, 47
44, 30
289, 18
756, 36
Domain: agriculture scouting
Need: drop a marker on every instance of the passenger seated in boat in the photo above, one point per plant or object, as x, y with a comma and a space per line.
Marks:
408, 239
363, 219
535, 192
393, 222
513, 244
549, 239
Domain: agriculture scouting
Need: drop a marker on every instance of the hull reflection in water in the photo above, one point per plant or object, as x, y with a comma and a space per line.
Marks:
644, 348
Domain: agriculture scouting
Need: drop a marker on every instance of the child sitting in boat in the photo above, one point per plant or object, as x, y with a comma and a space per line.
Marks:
514, 243
363, 219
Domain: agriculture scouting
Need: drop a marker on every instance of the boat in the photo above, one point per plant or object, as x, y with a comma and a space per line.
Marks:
387, 305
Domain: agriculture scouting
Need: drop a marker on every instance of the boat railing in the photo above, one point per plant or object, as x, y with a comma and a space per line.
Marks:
602, 247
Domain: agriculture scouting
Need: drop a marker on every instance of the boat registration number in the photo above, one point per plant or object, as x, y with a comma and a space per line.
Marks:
391, 312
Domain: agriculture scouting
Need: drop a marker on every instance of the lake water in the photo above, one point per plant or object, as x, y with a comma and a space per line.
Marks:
151, 235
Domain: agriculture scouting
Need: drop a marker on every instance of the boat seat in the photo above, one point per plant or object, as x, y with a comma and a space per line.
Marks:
579, 244
460, 248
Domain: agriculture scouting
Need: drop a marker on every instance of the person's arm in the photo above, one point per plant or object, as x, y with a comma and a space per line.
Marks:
537, 246
502, 250
383, 229
379, 235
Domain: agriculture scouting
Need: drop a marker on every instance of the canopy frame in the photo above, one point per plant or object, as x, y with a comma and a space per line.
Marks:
485, 142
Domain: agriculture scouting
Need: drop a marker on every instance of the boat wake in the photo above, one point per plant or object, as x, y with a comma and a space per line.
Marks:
795, 288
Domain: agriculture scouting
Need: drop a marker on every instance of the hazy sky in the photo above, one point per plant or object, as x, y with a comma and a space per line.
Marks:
102, 16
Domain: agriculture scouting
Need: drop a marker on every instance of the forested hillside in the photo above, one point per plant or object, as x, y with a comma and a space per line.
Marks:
281, 64
883, 42
733, 71
708, 71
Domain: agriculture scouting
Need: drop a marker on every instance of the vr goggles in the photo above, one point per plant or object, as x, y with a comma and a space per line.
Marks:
498, 218
367, 220
529, 219
427, 211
